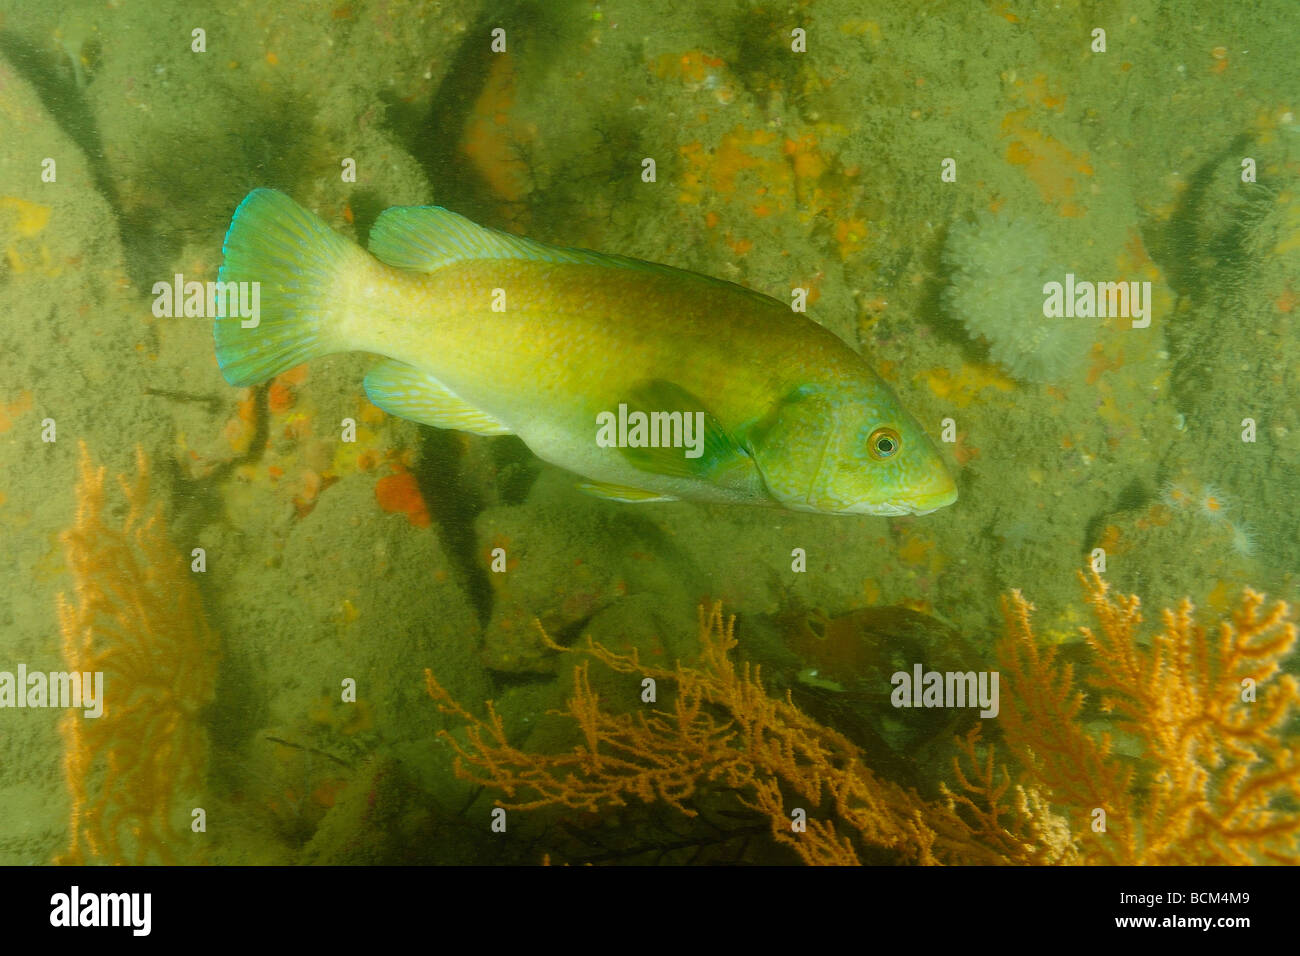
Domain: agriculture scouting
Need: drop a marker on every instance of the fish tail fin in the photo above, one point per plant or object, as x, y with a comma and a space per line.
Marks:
296, 261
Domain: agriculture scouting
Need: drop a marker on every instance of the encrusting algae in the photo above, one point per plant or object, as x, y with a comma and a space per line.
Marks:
1209, 780
137, 618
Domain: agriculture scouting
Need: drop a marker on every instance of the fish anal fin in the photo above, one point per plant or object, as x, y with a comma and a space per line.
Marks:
405, 391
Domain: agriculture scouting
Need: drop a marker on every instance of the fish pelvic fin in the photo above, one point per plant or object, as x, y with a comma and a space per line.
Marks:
296, 259
624, 493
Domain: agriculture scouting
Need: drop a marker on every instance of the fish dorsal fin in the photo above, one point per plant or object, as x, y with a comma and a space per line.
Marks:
426, 238
405, 391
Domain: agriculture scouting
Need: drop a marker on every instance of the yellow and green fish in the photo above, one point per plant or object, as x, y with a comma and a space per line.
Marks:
652, 383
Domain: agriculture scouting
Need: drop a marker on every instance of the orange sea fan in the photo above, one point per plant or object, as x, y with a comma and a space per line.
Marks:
137, 619
1205, 775
721, 728
1211, 779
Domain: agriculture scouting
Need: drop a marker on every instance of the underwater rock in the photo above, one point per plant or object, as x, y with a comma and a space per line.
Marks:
531, 588
1232, 250
380, 817
355, 594
67, 337
562, 562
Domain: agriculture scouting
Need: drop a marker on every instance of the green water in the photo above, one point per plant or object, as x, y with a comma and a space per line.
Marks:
921, 172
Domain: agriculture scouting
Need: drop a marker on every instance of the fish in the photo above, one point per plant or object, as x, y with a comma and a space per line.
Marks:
648, 382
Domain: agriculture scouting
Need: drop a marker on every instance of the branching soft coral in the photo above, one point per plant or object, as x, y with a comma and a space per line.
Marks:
1206, 776
136, 617
1212, 780
723, 728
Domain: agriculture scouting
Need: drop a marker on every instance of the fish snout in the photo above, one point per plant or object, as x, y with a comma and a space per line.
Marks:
938, 493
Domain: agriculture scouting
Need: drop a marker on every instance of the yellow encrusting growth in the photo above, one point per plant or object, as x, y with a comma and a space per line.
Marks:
30, 217
20, 221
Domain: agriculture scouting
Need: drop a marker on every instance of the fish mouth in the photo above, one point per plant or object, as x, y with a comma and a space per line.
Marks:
925, 504
916, 505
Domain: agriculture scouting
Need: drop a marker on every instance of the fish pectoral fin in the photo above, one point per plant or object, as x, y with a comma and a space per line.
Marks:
405, 391
696, 446
603, 489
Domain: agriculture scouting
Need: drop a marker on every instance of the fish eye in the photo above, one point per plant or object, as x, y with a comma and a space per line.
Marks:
884, 443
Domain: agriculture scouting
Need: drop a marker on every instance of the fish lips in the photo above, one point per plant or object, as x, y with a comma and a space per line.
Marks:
917, 505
